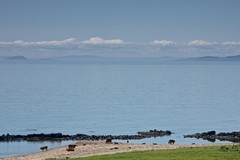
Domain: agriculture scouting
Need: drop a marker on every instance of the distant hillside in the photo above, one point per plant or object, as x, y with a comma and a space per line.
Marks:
16, 58
75, 57
233, 58
92, 57
143, 59
123, 60
208, 58
212, 58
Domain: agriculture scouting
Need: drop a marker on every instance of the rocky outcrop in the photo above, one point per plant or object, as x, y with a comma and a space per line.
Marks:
212, 136
61, 137
35, 137
155, 133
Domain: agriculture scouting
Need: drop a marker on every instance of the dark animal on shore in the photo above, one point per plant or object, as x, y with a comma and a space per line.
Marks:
109, 140
44, 148
71, 147
171, 141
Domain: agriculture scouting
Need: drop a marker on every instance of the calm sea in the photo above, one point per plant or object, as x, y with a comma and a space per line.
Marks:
116, 99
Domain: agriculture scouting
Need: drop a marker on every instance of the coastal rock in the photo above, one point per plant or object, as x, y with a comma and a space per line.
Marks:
155, 133
212, 136
61, 137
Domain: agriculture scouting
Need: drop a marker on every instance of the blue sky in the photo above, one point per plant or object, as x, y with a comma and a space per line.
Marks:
130, 28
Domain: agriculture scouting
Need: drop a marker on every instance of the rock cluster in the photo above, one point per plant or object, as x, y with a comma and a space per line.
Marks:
155, 133
61, 137
212, 136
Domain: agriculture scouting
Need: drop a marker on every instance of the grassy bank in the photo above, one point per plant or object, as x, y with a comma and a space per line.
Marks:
230, 152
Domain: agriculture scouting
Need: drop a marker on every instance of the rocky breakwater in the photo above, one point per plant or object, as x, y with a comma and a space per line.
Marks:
212, 136
62, 137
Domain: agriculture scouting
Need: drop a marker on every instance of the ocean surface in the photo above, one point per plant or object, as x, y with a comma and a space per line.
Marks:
116, 99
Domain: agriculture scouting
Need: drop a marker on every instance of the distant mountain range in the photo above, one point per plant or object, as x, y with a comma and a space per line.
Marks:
86, 58
15, 58
211, 58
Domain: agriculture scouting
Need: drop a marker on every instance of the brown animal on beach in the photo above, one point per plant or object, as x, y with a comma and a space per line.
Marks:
71, 147
171, 141
109, 140
44, 148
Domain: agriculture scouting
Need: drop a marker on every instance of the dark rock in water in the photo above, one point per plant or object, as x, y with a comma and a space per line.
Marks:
61, 137
212, 136
155, 133
211, 133
48, 137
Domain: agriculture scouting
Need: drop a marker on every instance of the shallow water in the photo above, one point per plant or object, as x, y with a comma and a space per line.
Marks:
20, 148
117, 99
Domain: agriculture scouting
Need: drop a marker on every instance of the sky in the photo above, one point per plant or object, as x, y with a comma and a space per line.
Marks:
120, 28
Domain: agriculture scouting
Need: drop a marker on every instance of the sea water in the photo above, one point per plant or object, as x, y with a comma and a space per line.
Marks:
117, 99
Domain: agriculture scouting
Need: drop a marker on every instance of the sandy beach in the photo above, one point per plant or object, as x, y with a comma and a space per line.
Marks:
84, 149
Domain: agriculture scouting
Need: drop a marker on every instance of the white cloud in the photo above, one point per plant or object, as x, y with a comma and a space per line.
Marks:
231, 43
100, 41
162, 42
21, 43
201, 43
119, 48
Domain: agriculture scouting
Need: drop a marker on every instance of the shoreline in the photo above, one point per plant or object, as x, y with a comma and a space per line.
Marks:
93, 141
93, 148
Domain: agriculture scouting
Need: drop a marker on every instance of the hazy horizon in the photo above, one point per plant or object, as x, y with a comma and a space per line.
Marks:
165, 28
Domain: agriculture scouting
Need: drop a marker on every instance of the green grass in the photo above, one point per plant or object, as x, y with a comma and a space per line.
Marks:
228, 152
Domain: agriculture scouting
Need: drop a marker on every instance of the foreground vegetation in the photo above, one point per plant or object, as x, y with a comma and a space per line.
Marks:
229, 152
